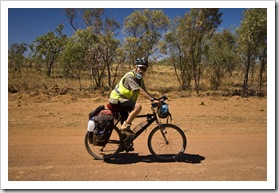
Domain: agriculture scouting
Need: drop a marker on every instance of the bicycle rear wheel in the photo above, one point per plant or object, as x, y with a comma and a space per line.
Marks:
167, 142
107, 151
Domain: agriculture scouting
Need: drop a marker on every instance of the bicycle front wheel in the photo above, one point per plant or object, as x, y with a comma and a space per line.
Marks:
167, 142
107, 151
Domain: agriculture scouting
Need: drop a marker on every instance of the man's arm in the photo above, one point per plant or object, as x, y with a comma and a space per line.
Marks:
146, 94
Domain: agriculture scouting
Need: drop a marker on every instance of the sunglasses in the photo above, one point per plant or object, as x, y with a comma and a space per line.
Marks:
142, 68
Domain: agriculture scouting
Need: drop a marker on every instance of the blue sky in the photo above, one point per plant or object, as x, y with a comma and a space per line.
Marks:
25, 24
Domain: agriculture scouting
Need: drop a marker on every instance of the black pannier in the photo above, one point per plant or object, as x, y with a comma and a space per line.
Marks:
104, 123
102, 132
96, 111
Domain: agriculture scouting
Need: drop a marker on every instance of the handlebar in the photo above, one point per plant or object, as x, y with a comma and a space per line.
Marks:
160, 100
163, 98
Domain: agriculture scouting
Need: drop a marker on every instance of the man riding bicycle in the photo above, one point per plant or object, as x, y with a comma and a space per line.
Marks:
125, 94
123, 102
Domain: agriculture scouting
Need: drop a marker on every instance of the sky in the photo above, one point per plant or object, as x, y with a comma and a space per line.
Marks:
26, 24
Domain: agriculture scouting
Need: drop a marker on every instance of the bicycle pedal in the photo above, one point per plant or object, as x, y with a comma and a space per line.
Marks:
129, 149
122, 149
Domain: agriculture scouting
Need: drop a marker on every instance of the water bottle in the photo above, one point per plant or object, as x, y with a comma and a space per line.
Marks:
90, 126
139, 126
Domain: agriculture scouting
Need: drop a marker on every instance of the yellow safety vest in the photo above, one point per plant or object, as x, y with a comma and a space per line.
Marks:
121, 92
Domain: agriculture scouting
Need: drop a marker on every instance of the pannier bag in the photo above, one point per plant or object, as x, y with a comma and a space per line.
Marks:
104, 123
96, 111
91, 122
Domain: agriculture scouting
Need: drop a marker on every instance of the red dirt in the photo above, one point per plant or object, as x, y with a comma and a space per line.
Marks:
226, 141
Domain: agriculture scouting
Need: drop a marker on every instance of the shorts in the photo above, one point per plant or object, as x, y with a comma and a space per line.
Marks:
124, 106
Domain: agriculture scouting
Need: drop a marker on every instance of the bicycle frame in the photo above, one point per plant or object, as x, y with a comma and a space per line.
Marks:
151, 118
122, 141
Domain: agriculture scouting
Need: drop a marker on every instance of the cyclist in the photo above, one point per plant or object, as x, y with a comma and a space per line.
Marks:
125, 94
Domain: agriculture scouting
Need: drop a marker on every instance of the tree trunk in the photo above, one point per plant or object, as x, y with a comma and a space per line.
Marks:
246, 75
261, 73
49, 67
262, 68
196, 79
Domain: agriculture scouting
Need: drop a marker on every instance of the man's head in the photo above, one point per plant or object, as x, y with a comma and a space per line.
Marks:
141, 62
141, 67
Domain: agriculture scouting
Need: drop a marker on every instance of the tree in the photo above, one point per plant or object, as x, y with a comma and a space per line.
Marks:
252, 37
16, 57
199, 25
49, 47
105, 31
110, 44
82, 52
189, 37
221, 56
71, 15
144, 29
173, 47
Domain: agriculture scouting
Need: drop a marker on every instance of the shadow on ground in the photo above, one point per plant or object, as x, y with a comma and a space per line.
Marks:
130, 158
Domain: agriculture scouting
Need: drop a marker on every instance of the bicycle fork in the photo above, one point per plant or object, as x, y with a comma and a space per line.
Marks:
163, 132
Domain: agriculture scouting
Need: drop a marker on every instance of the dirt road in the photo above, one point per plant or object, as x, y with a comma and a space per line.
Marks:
226, 141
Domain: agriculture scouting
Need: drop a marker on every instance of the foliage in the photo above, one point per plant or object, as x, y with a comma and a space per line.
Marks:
81, 53
199, 56
144, 29
71, 15
221, 57
187, 41
106, 46
252, 38
16, 57
49, 47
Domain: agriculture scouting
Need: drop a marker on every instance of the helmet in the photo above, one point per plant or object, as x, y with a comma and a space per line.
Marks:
141, 62
163, 111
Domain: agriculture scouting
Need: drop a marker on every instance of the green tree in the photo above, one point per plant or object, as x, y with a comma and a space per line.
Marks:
16, 57
173, 47
252, 37
199, 25
110, 44
82, 52
144, 29
221, 56
71, 14
49, 47
92, 18
189, 37
105, 30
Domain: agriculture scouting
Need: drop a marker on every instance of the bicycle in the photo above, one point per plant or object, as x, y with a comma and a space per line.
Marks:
166, 142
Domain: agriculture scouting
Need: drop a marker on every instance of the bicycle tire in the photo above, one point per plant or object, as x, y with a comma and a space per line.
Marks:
173, 149
112, 148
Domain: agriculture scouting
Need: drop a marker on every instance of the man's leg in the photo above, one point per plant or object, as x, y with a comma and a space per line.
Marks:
132, 115
126, 126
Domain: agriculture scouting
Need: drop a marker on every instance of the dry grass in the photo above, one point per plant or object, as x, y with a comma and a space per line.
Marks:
158, 79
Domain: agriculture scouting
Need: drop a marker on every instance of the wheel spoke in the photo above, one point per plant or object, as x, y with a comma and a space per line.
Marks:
167, 144
109, 150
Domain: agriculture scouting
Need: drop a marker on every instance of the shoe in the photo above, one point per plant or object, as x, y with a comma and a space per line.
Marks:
126, 128
129, 148
126, 148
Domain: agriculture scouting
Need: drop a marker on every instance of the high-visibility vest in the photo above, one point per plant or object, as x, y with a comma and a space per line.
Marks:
121, 92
